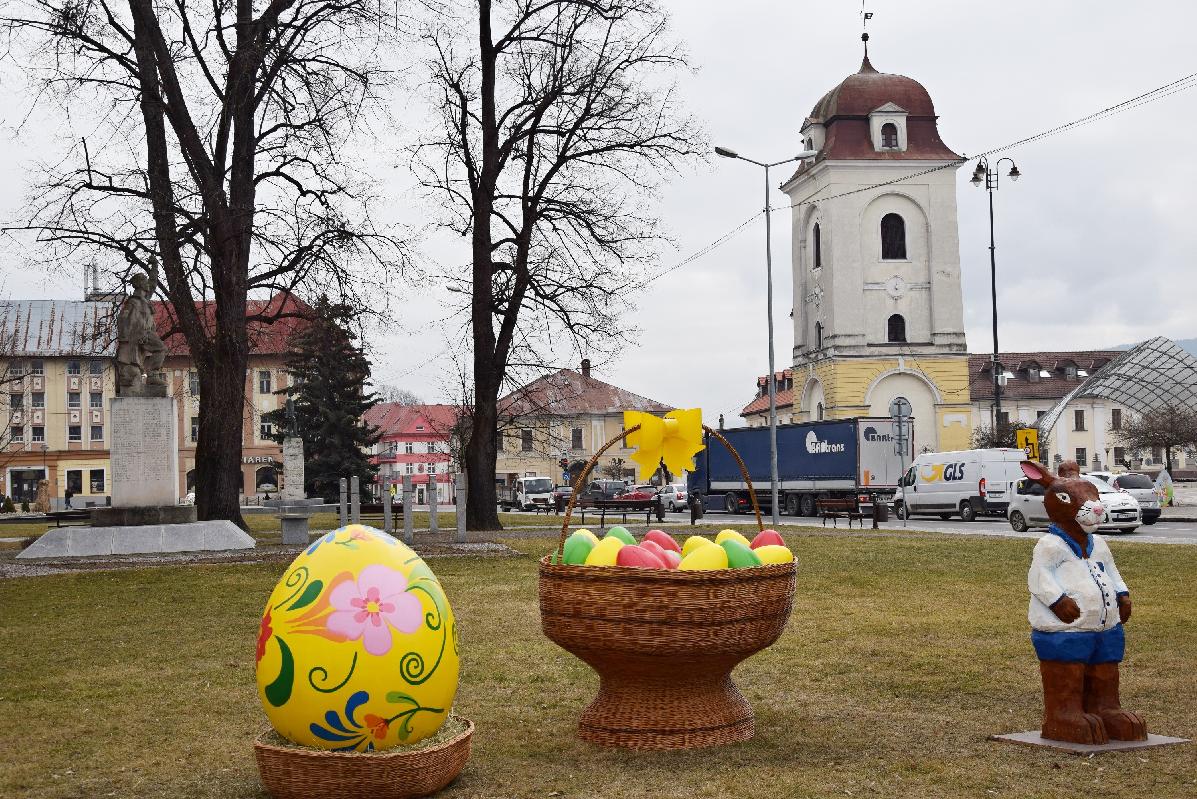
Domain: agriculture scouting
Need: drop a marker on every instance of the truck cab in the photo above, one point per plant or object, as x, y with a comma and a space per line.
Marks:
526, 493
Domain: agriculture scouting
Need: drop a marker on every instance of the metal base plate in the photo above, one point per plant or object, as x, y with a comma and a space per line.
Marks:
1034, 738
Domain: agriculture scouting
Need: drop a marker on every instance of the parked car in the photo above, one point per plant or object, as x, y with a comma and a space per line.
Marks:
639, 493
604, 489
563, 491
1027, 509
674, 496
1139, 486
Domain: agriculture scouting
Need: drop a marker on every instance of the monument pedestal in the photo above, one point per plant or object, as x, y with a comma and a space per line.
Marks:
145, 452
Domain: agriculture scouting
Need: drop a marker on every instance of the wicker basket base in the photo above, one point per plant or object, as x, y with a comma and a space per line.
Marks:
681, 705
293, 773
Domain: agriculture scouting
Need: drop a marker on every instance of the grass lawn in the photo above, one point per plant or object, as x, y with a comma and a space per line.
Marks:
904, 652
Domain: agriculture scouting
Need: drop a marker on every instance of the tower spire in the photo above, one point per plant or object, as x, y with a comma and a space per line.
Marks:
865, 16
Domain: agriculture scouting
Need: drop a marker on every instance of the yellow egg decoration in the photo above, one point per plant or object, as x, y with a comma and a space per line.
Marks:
693, 542
357, 648
733, 535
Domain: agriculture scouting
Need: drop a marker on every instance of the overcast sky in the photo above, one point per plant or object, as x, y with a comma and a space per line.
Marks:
1095, 243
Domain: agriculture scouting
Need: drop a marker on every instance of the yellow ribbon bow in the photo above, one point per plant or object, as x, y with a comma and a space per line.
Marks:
676, 439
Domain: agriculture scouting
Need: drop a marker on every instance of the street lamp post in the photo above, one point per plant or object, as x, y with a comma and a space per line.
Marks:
989, 176
726, 153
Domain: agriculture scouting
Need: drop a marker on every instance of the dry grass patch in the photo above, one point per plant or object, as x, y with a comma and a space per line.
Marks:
903, 654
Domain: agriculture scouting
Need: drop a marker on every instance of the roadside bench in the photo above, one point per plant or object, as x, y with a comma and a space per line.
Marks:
839, 509
622, 508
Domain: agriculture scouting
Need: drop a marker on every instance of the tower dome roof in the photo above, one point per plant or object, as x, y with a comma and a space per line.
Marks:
861, 93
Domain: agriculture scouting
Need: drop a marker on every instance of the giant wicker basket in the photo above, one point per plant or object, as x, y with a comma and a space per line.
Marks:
290, 772
664, 643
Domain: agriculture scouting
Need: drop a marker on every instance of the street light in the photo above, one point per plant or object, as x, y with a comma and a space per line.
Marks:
989, 176
805, 154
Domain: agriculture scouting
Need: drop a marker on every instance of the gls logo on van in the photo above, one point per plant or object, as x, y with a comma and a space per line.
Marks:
816, 447
871, 434
948, 472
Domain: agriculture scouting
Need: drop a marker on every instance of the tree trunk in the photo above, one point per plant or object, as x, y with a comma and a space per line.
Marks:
482, 499
1168, 458
218, 449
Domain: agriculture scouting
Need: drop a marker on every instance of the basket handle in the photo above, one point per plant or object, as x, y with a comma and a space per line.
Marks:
590, 464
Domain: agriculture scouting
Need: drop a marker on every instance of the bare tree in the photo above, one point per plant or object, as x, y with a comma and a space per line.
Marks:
223, 134
397, 395
559, 120
1167, 427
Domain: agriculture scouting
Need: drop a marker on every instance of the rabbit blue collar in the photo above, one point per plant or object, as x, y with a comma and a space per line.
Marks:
1072, 544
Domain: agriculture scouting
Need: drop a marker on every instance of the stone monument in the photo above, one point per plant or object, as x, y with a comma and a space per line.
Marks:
145, 515
293, 476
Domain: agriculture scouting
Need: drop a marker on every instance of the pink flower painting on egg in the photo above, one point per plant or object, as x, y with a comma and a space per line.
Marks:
370, 606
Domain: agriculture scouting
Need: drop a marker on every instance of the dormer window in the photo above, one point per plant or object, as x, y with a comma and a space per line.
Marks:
1033, 373
1070, 371
889, 136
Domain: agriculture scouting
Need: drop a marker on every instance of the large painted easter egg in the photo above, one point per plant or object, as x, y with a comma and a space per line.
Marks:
357, 648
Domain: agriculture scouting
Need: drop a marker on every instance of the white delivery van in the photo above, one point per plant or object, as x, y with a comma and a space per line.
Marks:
967, 483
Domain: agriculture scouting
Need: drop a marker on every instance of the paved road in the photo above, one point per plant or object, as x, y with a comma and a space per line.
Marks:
1162, 532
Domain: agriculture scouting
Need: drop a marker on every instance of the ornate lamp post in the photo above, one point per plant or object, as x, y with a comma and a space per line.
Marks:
989, 176
726, 153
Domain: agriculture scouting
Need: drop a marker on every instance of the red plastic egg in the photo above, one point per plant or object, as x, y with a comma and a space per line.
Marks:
663, 540
768, 538
638, 557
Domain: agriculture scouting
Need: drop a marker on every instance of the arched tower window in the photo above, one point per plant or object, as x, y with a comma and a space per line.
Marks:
897, 328
817, 235
889, 136
819, 412
893, 237
819, 335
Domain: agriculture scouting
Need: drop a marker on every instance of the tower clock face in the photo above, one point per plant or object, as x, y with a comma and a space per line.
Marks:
895, 287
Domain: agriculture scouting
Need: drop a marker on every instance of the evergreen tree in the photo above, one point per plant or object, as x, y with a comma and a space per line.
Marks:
329, 372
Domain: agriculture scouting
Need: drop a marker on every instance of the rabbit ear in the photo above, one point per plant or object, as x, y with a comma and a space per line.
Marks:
1038, 472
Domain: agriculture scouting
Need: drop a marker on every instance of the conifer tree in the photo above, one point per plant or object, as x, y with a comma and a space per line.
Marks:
328, 386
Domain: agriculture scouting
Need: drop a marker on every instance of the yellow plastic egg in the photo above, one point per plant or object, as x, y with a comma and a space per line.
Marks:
605, 552
693, 542
704, 559
774, 553
593, 538
357, 648
734, 536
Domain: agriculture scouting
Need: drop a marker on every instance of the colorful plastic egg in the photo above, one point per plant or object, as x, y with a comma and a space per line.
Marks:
662, 539
772, 553
656, 549
594, 539
694, 542
739, 556
621, 533
577, 549
705, 559
731, 535
357, 647
638, 557
605, 552
672, 559
767, 538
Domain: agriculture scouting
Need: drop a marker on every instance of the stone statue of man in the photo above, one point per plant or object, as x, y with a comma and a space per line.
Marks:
139, 350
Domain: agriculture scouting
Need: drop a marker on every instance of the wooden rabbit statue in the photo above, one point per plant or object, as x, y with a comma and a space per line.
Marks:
1079, 603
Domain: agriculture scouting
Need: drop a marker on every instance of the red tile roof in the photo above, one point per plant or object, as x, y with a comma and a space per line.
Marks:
266, 337
568, 393
1019, 387
785, 399
395, 420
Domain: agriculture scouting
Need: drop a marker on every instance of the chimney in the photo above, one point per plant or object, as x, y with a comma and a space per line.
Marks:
585, 367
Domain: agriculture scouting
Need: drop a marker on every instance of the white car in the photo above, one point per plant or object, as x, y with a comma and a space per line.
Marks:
674, 497
1139, 486
1027, 509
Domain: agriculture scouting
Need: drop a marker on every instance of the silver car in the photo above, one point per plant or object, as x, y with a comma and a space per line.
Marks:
1139, 486
674, 497
1027, 509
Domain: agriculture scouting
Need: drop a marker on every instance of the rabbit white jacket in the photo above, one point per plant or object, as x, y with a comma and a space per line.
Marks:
1059, 567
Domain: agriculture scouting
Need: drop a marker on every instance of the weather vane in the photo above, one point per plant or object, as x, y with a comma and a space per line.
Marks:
865, 16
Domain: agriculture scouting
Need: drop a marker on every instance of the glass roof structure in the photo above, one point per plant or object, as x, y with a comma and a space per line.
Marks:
1155, 374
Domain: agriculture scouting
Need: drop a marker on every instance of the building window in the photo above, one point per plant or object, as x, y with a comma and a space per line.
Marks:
97, 400
95, 368
74, 400
1033, 373
889, 136
38, 399
17, 369
818, 246
264, 382
1078, 420
74, 481
75, 433
1039, 415
16, 401
1120, 455
409, 468
96, 478
575, 438
17, 435
432, 468
193, 383
409, 447
526, 440
1081, 455
1116, 420
897, 328
194, 428
1070, 372
1157, 454
97, 432
819, 412
1003, 419
37, 367
499, 446
39, 434
819, 335
265, 431
893, 238
74, 368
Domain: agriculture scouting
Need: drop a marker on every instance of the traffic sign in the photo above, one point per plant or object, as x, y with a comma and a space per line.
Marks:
1027, 439
900, 408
